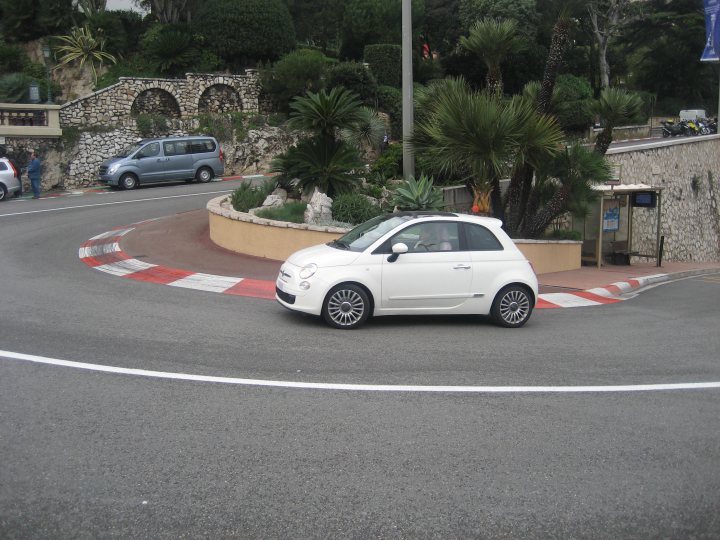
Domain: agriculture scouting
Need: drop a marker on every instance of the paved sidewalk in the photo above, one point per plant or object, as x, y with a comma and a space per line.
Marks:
177, 251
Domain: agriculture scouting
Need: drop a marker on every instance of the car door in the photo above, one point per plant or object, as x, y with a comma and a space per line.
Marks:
178, 159
488, 259
433, 275
150, 163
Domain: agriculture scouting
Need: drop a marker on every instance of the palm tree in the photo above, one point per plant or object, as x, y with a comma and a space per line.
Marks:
564, 181
493, 41
615, 107
81, 45
558, 45
325, 113
470, 131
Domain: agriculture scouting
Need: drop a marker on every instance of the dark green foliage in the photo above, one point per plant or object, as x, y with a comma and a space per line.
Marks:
390, 102
136, 66
249, 196
243, 33
70, 136
317, 22
320, 162
563, 234
173, 49
120, 29
354, 208
12, 58
293, 75
26, 20
573, 100
386, 63
355, 77
389, 163
294, 212
14, 88
151, 124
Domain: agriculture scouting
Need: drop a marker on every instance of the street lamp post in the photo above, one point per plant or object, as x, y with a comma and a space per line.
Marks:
46, 54
407, 89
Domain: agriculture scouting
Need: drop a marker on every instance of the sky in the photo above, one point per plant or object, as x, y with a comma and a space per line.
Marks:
119, 4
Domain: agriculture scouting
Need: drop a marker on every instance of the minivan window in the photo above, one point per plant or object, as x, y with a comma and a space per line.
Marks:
128, 150
200, 146
176, 148
152, 149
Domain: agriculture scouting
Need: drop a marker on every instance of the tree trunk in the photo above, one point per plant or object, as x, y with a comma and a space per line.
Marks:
515, 203
604, 139
558, 45
542, 220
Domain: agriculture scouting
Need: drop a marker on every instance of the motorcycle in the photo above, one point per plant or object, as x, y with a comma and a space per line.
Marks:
703, 126
671, 129
691, 127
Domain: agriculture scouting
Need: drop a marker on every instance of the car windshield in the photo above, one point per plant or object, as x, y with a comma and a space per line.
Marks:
367, 233
128, 150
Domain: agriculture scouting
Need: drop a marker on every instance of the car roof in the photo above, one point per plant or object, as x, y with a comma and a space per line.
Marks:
175, 138
428, 214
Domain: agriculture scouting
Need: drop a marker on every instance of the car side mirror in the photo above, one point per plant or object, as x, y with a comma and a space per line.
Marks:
397, 249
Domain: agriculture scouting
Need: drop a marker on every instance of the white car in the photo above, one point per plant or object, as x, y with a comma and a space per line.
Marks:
412, 263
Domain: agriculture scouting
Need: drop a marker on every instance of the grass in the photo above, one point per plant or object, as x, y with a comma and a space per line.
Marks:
294, 212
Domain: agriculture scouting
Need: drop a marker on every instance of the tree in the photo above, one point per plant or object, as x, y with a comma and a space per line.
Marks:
523, 12
80, 46
493, 41
615, 107
317, 22
244, 33
607, 19
91, 7
293, 75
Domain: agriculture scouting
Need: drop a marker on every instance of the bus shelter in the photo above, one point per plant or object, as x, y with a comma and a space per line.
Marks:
607, 231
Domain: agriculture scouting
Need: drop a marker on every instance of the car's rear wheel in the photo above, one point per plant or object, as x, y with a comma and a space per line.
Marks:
346, 306
204, 175
512, 306
3, 192
128, 181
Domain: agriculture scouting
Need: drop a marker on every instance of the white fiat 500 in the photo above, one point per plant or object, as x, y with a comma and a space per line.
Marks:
412, 263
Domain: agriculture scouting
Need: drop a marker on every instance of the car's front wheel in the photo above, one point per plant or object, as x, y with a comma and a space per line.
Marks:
346, 306
512, 306
128, 181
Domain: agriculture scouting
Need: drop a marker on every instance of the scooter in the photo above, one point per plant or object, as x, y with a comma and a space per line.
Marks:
671, 129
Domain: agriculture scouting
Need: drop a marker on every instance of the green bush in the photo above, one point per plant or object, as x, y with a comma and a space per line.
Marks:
386, 63
294, 212
564, 234
151, 124
293, 75
249, 196
389, 101
573, 96
354, 208
12, 58
389, 163
355, 77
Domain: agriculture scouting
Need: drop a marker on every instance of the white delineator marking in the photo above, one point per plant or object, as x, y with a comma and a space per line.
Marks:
103, 253
361, 387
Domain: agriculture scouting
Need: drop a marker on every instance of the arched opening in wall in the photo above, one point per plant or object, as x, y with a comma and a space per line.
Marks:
219, 98
156, 101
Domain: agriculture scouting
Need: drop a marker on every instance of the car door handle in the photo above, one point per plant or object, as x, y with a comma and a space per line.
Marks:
461, 267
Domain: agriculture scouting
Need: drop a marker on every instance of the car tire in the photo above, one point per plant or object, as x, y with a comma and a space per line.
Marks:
346, 306
128, 181
204, 175
512, 306
3, 192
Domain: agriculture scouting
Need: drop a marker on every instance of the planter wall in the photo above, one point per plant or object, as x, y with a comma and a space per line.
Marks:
277, 240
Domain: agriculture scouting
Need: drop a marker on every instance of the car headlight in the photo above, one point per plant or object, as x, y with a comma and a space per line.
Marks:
113, 168
308, 271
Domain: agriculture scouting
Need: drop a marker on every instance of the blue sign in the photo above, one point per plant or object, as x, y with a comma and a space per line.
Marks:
712, 32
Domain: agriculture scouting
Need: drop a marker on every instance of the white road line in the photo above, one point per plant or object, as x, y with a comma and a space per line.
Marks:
206, 282
361, 387
114, 202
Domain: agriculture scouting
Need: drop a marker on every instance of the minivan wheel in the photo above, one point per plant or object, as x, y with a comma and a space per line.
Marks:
204, 175
128, 181
346, 306
512, 306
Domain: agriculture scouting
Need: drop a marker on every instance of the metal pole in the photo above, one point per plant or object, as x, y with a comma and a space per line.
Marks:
659, 240
407, 89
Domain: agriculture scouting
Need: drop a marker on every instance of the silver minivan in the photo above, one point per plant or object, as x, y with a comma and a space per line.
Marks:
169, 159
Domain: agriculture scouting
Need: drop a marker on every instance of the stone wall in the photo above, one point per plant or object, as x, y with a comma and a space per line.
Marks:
688, 171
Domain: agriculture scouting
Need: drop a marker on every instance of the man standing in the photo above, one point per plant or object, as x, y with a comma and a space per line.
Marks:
33, 170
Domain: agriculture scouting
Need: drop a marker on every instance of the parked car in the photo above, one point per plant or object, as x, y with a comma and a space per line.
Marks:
170, 159
9, 179
412, 263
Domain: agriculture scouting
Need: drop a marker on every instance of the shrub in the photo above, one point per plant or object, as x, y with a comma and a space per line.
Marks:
249, 196
354, 208
389, 100
389, 163
293, 75
355, 77
12, 58
386, 63
219, 126
151, 124
418, 194
573, 97
294, 212
564, 234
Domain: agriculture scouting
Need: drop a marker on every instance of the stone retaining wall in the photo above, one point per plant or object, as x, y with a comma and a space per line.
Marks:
688, 171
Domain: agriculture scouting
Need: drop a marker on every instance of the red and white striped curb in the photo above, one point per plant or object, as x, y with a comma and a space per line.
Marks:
103, 253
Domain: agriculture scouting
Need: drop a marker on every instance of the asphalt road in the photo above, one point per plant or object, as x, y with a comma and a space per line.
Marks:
88, 454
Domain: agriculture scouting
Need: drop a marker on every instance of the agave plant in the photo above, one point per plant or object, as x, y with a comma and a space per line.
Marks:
81, 45
417, 194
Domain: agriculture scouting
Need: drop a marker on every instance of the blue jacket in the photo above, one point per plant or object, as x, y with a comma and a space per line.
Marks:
34, 168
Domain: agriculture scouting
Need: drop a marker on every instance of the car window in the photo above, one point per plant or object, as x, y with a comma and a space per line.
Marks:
202, 146
176, 148
3, 167
150, 150
429, 237
478, 238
